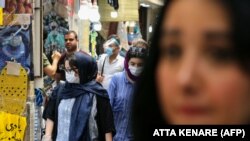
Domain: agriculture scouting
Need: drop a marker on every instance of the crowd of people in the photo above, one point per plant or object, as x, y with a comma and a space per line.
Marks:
92, 100
195, 71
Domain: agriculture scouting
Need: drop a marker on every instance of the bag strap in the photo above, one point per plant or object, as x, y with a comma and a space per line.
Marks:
103, 65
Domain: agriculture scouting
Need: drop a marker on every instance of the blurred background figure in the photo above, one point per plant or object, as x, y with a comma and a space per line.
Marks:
111, 62
198, 70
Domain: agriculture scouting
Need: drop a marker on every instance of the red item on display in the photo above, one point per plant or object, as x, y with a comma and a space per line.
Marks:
18, 7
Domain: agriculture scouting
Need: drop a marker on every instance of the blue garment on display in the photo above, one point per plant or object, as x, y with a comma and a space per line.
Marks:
56, 27
55, 41
15, 45
51, 18
39, 97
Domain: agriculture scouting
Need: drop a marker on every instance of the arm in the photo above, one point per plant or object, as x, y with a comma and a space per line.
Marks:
49, 116
48, 130
50, 70
108, 136
99, 78
112, 90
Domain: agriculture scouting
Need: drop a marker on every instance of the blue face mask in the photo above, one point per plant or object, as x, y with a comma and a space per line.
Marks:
109, 51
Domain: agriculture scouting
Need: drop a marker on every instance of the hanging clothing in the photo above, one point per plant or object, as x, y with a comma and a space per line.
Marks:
56, 27
54, 41
62, 24
114, 3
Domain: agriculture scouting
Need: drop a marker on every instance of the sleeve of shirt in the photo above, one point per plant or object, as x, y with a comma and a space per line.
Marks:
112, 90
45, 61
105, 116
50, 108
61, 61
49, 111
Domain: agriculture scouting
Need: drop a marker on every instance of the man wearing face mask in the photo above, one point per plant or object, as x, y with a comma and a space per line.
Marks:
110, 62
121, 90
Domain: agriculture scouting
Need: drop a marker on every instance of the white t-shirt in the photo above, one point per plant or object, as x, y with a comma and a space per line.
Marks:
110, 69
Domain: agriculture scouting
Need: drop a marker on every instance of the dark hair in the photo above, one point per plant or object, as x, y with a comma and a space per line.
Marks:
71, 32
146, 109
137, 52
86, 65
140, 43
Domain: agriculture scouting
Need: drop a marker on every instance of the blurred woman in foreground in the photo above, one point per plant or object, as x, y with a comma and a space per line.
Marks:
198, 69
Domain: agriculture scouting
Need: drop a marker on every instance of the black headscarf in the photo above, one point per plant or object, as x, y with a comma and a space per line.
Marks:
83, 93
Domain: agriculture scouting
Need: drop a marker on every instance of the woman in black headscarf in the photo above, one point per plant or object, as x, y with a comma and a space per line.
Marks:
79, 109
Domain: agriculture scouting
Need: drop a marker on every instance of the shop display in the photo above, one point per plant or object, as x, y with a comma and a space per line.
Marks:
123, 34
13, 90
18, 6
15, 44
114, 3
56, 27
93, 36
1, 16
12, 127
54, 41
54, 21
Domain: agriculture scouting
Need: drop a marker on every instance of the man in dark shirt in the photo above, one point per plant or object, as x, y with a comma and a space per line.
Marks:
71, 41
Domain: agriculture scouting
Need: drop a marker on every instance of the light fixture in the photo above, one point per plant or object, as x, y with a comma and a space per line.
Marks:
145, 5
97, 26
132, 24
114, 14
94, 12
150, 29
84, 11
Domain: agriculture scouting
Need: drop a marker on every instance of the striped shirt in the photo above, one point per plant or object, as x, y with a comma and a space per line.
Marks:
121, 95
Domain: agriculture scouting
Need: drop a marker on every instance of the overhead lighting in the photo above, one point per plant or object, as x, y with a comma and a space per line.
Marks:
132, 24
114, 14
145, 5
84, 11
97, 26
95, 15
150, 29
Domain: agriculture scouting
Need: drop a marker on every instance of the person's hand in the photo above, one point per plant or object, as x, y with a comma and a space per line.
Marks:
47, 138
56, 55
99, 78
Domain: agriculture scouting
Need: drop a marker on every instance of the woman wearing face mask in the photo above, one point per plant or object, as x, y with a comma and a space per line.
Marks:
79, 110
121, 92
198, 69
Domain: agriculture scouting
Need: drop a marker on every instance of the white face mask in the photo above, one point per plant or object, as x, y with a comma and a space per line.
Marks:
136, 71
71, 78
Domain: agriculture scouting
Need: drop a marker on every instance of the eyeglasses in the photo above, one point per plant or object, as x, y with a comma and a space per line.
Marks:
68, 40
68, 69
